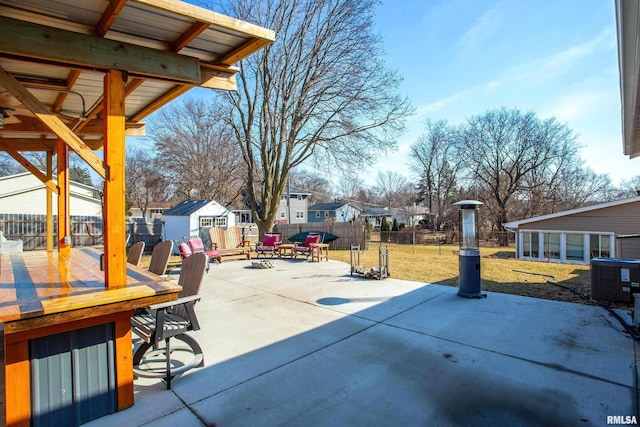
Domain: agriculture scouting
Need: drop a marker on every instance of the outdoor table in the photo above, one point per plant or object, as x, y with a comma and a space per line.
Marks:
55, 308
285, 250
318, 251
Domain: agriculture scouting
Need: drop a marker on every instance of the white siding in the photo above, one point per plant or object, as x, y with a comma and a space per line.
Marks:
24, 193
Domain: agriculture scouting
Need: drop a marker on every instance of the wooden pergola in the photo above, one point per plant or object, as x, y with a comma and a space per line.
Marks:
81, 75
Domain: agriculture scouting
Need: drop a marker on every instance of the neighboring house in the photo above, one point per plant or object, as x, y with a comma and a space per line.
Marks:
411, 215
578, 235
333, 211
374, 216
25, 194
155, 210
195, 217
296, 211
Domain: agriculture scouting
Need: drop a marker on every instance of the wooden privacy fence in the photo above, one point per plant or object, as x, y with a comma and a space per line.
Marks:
85, 230
348, 234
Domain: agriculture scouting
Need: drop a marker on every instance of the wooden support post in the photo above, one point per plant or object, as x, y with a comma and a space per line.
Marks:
124, 360
63, 198
17, 382
115, 269
49, 203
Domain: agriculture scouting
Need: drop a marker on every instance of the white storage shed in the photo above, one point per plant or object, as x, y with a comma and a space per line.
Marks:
194, 218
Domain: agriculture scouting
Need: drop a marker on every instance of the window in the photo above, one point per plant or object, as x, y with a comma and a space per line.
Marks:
317, 214
530, 244
326, 214
299, 214
552, 245
300, 197
600, 245
283, 214
575, 247
221, 221
206, 221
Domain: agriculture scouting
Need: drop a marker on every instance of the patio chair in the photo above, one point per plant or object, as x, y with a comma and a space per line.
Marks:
160, 257
135, 253
184, 249
173, 319
197, 245
305, 249
270, 245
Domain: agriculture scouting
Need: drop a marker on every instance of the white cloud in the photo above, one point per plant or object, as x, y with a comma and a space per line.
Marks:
483, 28
572, 107
546, 68
561, 62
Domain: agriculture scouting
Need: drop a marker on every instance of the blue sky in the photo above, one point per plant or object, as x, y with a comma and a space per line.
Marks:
460, 58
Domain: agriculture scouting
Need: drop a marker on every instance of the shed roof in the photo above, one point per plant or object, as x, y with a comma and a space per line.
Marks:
187, 207
516, 224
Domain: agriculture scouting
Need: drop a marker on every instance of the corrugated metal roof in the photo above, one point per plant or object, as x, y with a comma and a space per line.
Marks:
187, 207
60, 50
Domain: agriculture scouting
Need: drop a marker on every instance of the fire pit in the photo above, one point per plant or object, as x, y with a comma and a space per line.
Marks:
375, 272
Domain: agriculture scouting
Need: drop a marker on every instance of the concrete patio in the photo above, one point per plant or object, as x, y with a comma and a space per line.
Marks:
307, 344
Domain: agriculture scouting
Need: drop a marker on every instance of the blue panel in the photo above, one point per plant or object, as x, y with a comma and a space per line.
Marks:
73, 376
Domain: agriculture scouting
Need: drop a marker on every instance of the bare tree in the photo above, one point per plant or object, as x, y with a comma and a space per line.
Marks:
313, 183
502, 147
393, 190
319, 94
629, 187
196, 151
9, 166
144, 182
433, 160
350, 187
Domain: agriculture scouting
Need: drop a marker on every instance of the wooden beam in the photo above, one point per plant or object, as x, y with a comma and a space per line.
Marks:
73, 76
115, 268
215, 19
245, 50
34, 126
108, 17
30, 167
124, 360
51, 121
186, 37
49, 201
216, 80
30, 144
63, 197
17, 377
71, 49
166, 98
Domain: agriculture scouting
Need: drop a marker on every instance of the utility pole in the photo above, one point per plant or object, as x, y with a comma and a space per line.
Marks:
289, 199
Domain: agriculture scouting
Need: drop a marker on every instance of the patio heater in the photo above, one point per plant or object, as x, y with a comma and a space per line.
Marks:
469, 253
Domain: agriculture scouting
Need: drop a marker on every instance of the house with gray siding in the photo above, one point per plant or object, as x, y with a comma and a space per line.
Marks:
293, 207
609, 230
333, 211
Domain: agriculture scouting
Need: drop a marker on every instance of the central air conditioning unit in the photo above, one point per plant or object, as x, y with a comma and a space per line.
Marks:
615, 279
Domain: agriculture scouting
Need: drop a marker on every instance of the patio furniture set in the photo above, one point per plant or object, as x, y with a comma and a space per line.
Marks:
313, 246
